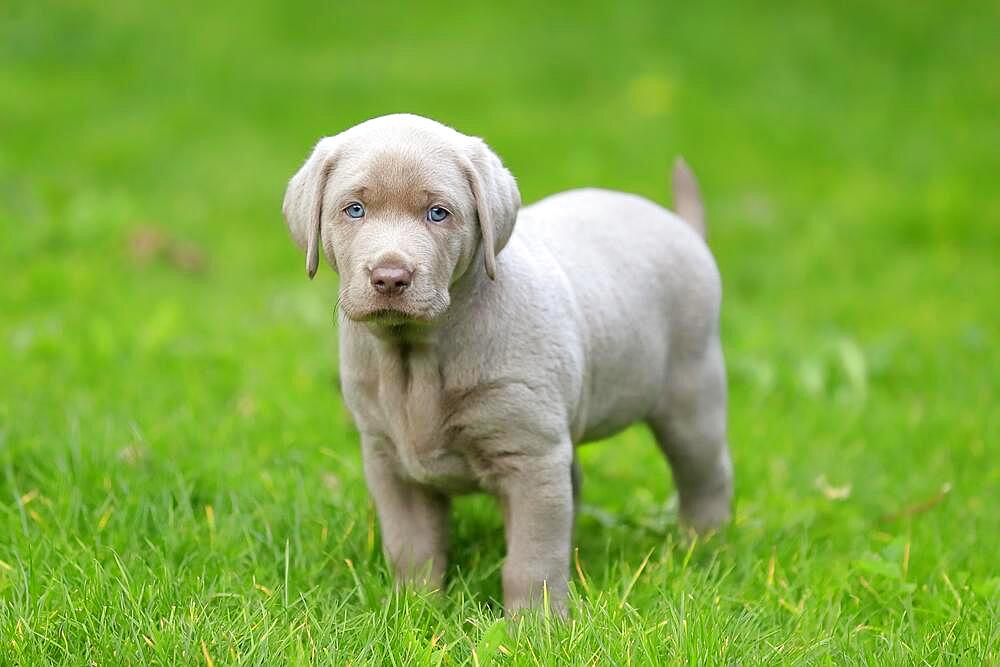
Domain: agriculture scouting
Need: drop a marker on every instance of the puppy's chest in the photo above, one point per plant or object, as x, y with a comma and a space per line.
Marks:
406, 401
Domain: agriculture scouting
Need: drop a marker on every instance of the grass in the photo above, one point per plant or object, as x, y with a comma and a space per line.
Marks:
179, 482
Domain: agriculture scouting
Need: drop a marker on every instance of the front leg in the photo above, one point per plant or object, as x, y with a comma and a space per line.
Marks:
538, 512
413, 520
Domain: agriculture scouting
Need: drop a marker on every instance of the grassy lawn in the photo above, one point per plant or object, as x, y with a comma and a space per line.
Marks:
180, 482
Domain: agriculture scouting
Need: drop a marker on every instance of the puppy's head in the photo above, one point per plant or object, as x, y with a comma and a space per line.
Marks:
401, 206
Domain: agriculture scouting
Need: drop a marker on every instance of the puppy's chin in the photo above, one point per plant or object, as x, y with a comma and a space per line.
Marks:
395, 325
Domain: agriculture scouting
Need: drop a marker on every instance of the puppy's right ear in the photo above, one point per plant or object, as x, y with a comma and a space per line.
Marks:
303, 206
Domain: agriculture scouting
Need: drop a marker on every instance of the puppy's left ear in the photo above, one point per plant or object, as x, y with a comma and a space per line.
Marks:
497, 200
303, 205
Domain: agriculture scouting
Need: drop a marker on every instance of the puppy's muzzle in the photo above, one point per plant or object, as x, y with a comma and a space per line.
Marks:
391, 279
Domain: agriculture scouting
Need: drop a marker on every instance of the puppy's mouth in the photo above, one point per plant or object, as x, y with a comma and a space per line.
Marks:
384, 314
382, 311
389, 317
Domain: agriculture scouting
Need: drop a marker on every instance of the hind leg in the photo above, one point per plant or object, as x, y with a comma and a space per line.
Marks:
690, 427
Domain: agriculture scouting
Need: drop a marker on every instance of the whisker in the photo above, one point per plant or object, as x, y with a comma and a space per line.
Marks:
336, 310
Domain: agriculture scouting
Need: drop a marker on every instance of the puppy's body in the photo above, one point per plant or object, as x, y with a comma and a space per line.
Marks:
604, 313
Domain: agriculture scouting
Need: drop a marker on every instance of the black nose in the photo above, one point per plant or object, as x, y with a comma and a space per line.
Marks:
391, 280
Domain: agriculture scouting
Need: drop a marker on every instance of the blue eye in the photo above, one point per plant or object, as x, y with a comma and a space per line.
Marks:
355, 210
437, 213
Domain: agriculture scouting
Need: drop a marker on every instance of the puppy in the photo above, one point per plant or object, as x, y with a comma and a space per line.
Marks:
476, 354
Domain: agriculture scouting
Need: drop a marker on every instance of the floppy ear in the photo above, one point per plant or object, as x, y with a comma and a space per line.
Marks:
497, 200
303, 205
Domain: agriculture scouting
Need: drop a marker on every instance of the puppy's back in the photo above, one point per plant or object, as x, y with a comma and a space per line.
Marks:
644, 284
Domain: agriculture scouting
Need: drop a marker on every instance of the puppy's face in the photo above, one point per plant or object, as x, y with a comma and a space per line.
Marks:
400, 222
401, 207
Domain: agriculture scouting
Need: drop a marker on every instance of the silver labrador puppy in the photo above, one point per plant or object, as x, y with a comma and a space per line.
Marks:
476, 354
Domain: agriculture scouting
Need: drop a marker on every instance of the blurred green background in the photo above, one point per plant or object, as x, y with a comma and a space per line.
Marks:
181, 483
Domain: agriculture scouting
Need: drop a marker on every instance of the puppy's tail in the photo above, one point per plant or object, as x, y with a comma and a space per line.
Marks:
687, 197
